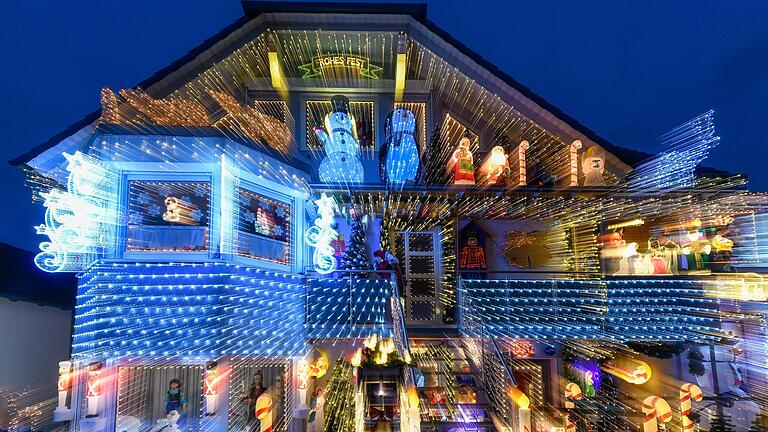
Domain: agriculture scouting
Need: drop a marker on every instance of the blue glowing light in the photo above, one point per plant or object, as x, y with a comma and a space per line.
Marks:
399, 156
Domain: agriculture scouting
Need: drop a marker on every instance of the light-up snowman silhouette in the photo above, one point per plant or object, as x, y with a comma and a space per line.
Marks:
341, 163
399, 156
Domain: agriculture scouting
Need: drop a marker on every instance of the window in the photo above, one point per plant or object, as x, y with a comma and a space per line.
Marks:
168, 216
364, 122
263, 228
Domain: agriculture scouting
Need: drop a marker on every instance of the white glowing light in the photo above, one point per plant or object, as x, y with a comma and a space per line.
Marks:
79, 222
321, 235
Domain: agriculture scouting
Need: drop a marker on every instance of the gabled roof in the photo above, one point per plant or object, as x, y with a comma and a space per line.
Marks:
255, 8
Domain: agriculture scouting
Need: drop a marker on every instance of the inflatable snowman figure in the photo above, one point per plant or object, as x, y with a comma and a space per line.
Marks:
341, 163
399, 156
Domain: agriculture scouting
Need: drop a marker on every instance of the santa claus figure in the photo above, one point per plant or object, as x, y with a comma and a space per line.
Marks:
461, 164
495, 168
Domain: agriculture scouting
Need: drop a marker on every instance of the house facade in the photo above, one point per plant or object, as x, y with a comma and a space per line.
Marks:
337, 217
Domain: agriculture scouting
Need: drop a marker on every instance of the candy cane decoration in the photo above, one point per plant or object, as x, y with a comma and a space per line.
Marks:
573, 391
574, 162
570, 426
655, 409
688, 392
264, 412
521, 166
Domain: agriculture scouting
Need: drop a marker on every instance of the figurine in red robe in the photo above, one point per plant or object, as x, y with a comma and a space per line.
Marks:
462, 164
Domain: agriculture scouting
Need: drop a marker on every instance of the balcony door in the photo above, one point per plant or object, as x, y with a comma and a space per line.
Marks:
421, 255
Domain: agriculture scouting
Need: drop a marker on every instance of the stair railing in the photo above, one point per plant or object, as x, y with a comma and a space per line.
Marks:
487, 359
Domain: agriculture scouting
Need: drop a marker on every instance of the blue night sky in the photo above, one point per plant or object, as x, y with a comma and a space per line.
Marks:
629, 70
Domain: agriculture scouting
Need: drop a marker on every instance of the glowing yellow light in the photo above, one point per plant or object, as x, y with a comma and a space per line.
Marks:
357, 358
387, 346
520, 398
633, 222
371, 341
380, 358
413, 397
274, 71
400, 77
629, 369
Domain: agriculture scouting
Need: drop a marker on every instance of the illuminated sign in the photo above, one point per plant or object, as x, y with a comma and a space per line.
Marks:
358, 63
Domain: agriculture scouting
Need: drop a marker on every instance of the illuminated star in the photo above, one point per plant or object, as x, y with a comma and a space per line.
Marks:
325, 202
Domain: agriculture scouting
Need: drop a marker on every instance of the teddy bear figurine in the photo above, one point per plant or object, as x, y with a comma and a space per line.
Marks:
341, 163
399, 156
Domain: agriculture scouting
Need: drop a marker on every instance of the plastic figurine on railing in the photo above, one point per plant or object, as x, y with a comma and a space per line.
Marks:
341, 163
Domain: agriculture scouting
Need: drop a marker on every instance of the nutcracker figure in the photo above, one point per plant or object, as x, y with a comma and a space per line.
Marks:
93, 389
209, 388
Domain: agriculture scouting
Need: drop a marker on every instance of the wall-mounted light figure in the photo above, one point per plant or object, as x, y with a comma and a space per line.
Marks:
399, 156
321, 235
80, 221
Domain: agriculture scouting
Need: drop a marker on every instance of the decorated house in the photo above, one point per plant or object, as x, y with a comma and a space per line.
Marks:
337, 217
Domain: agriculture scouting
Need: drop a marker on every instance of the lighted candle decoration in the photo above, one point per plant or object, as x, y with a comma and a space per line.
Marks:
655, 409
523, 408
303, 375
574, 162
